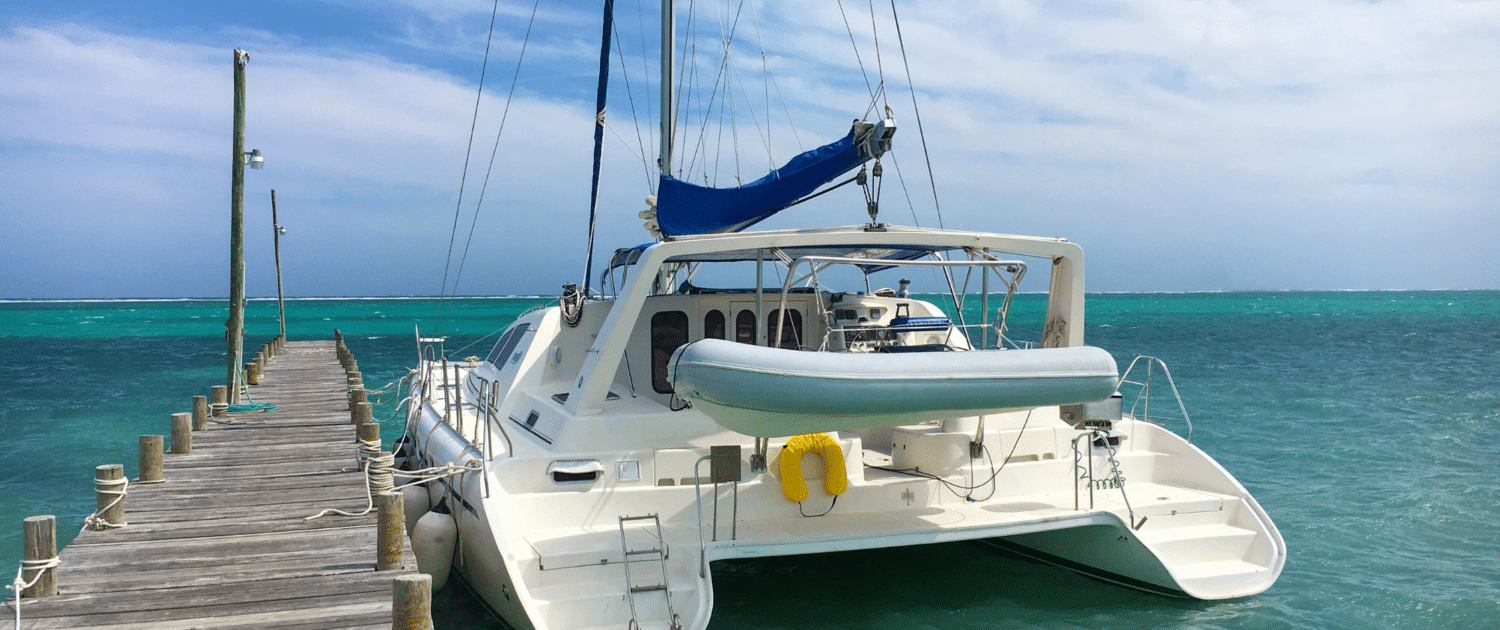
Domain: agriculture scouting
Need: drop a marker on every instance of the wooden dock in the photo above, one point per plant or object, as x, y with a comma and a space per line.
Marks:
224, 541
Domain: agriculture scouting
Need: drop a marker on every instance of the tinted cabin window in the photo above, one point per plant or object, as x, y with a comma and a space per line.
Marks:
791, 333
744, 327
507, 344
669, 330
713, 325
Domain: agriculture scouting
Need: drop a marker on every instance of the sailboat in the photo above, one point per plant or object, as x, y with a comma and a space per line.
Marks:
613, 447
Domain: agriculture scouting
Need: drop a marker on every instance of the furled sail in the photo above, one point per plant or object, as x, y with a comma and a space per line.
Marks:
683, 208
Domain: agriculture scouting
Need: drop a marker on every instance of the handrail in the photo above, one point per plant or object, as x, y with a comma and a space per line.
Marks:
1012, 266
1144, 396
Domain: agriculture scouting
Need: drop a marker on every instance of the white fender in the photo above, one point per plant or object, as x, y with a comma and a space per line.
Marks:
415, 501
432, 541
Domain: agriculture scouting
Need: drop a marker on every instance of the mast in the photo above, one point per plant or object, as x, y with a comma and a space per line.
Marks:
668, 35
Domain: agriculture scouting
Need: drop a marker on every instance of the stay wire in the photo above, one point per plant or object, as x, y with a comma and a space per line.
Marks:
634, 115
918, 112
495, 150
862, 72
879, 65
463, 179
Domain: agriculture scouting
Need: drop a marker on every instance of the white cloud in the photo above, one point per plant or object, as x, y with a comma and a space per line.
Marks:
1243, 134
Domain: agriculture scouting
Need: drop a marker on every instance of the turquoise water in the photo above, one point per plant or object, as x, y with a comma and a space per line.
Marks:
1360, 421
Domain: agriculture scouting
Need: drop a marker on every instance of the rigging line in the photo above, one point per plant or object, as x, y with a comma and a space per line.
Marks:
722, 75
719, 77
634, 115
690, 50
626, 143
766, 64
918, 113
879, 65
443, 290
719, 147
640, 12
495, 150
857, 57
765, 79
764, 134
902, 178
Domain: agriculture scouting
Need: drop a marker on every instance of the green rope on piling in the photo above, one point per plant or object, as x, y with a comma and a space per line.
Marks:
251, 407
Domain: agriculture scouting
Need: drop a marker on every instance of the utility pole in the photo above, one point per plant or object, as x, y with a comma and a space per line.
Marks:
235, 327
276, 245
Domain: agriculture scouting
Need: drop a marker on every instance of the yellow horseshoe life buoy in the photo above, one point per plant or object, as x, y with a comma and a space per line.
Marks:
835, 478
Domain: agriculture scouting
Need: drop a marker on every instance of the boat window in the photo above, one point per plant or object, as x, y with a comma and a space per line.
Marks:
669, 330
744, 327
791, 333
713, 325
507, 344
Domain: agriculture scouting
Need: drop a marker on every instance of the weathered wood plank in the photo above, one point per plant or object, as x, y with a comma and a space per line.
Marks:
224, 542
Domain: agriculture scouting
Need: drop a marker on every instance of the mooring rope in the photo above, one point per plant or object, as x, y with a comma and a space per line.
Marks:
18, 585
380, 474
97, 520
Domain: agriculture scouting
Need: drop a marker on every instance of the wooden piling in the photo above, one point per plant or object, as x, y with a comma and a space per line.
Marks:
358, 395
251, 378
219, 400
200, 413
40, 533
391, 524
368, 432
411, 602
150, 462
362, 414
107, 488
182, 433
353, 380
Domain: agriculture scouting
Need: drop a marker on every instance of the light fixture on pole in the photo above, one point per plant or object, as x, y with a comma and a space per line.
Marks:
254, 159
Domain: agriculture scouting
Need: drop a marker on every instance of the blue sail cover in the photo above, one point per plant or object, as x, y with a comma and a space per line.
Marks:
683, 208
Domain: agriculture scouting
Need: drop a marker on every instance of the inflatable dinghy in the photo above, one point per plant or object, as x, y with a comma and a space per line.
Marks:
773, 392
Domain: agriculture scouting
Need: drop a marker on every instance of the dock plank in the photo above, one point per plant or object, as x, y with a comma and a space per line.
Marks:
225, 542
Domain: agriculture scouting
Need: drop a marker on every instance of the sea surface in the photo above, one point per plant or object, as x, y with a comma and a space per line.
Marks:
1367, 424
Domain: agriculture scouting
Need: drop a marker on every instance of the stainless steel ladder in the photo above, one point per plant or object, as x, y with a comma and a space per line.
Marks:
655, 552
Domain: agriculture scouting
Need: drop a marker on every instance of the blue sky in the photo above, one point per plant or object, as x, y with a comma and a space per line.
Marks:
1186, 145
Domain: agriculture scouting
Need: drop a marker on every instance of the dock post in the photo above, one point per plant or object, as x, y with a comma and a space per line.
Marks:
411, 602
182, 433
390, 531
219, 400
151, 448
356, 396
353, 379
368, 432
41, 550
363, 413
109, 496
251, 377
200, 413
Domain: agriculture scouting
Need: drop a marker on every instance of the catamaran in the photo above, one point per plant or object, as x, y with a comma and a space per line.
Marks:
616, 445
